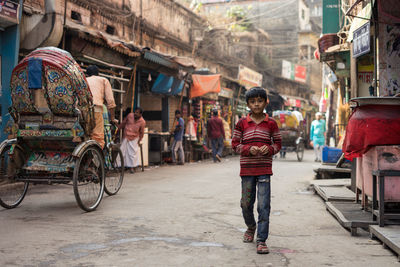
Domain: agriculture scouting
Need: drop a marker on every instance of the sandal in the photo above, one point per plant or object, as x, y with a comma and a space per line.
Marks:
262, 248
248, 236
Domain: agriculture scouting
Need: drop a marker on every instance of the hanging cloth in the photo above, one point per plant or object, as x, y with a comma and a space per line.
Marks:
203, 84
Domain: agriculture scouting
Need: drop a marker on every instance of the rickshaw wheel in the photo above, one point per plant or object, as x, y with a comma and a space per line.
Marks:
88, 180
300, 151
114, 174
12, 191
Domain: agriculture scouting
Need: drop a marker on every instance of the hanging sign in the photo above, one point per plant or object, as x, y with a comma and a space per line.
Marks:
361, 41
248, 77
288, 70
300, 73
9, 13
226, 92
294, 72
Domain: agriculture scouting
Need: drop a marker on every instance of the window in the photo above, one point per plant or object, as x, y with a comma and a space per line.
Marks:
303, 14
110, 30
76, 16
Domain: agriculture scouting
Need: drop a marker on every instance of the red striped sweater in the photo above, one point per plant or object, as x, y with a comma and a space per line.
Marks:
247, 134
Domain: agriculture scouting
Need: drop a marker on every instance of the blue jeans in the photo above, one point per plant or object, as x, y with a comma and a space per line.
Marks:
249, 184
217, 145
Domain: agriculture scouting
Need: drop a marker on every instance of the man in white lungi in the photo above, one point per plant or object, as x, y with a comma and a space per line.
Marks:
133, 126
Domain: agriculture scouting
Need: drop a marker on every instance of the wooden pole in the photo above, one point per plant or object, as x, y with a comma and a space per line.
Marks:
133, 86
180, 103
235, 107
141, 156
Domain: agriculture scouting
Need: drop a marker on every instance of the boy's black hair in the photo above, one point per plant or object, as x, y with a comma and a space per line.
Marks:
140, 109
92, 70
177, 112
256, 92
215, 112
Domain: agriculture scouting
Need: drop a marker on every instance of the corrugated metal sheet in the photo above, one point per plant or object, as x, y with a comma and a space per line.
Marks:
101, 39
159, 60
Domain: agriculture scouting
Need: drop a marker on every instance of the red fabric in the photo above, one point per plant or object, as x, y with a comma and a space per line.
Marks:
247, 134
371, 125
282, 117
215, 128
388, 11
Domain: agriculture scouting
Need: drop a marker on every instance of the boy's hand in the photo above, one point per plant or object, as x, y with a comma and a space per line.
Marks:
264, 150
254, 150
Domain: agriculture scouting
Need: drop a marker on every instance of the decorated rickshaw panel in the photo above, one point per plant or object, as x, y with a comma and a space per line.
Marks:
21, 96
60, 92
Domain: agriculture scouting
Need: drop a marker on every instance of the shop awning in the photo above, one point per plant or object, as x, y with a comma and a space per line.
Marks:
169, 61
203, 84
102, 39
154, 57
167, 85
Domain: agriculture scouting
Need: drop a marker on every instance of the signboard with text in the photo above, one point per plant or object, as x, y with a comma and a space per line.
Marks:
330, 16
287, 70
361, 41
226, 92
300, 74
9, 13
294, 72
248, 77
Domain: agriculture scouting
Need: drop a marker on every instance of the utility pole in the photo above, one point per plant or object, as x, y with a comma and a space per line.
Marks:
64, 23
140, 23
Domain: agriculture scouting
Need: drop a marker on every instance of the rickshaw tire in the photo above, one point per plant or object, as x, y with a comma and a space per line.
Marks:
108, 190
24, 191
76, 180
300, 149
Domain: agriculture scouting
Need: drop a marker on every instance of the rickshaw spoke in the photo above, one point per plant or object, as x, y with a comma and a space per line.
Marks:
12, 191
115, 172
89, 179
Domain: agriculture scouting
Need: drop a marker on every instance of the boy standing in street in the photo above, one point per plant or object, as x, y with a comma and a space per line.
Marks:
257, 138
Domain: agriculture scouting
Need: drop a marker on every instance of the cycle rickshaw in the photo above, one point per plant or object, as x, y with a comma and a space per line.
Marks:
291, 130
53, 116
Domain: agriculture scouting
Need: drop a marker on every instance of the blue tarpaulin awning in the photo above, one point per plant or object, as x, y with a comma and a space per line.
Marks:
167, 85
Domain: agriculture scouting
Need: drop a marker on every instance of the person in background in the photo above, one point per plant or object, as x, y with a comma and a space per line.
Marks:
177, 145
216, 133
100, 88
191, 129
133, 126
317, 135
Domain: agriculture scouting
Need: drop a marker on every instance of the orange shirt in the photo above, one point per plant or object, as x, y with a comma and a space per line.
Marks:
101, 89
133, 128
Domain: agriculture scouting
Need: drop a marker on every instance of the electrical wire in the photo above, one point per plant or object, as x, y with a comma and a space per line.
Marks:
258, 15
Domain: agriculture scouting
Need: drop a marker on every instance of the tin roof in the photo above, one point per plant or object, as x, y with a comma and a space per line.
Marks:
103, 39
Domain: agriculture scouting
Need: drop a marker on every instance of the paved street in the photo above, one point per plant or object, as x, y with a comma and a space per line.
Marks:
182, 216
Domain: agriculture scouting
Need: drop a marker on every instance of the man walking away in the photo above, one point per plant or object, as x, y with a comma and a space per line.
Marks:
100, 88
178, 138
133, 126
216, 133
